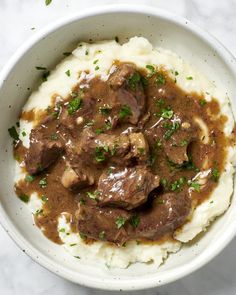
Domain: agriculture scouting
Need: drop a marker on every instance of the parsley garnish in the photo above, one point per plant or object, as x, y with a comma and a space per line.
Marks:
178, 184
68, 73
29, 178
102, 235
94, 195
24, 198
135, 220
48, 2
163, 182
54, 136
215, 174
74, 105
167, 113
99, 131
172, 129
134, 80
160, 102
13, 133
120, 221
176, 73
41, 68
100, 152
125, 111
23, 133
44, 198
86, 52
43, 182
62, 230
151, 70
45, 76
67, 53
160, 79
95, 61
105, 110
202, 102
196, 186
96, 68
189, 78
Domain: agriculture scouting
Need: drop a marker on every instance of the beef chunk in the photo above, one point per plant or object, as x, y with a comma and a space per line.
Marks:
119, 149
103, 224
166, 214
127, 95
176, 142
74, 179
127, 188
43, 151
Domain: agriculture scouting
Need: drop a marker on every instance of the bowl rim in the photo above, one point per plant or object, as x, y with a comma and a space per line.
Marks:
132, 283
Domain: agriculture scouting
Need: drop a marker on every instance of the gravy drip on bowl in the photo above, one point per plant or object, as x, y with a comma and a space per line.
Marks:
128, 158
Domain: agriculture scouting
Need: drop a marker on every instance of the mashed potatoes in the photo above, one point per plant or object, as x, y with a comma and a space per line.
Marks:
139, 51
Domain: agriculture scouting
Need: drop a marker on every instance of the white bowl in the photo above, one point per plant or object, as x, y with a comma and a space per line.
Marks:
46, 48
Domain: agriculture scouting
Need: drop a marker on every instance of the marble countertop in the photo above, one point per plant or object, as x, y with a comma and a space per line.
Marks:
18, 273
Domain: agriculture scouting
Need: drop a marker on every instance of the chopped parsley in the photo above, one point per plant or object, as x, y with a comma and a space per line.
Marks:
93, 195
13, 133
167, 113
196, 186
176, 73
151, 70
29, 178
99, 131
23, 133
202, 102
160, 102
41, 68
48, 2
77, 257
172, 128
38, 212
120, 221
74, 105
86, 52
100, 153
95, 61
117, 39
135, 220
183, 142
24, 198
54, 136
105, 110
45, 76
160, 79
141, 151
178, 184
164, 182
96, 68
125, 111
67, 73
67, 53
215, 174
134, 80
62, 230
89, 123
72, 245
102, 235
43, 182
44, 198
189, 78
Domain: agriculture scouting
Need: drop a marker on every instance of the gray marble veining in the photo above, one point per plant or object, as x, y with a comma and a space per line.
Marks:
18, 273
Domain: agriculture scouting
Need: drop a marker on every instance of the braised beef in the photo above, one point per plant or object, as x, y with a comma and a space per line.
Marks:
167, 213
125, 147
43, 151
127, 188
127, 97
107, 224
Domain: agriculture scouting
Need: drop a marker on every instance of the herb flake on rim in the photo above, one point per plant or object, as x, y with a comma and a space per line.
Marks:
13, 133
24, 198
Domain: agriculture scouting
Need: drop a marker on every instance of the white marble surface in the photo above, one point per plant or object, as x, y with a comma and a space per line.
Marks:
18, 273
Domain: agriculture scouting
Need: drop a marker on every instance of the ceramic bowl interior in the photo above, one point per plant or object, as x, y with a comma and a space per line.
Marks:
46, 49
